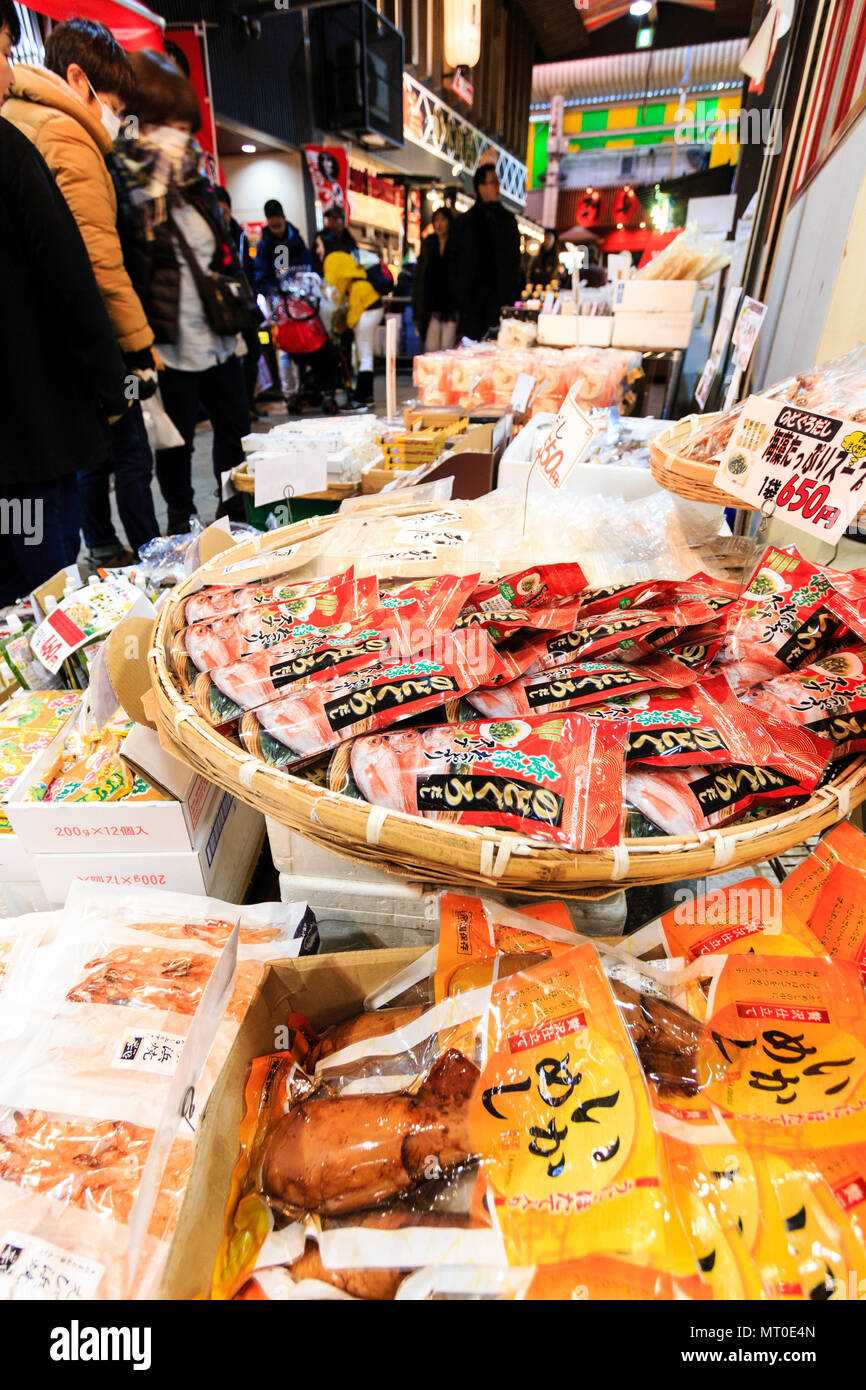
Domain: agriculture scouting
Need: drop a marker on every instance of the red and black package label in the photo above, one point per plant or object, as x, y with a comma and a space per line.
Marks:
731, 785
504, 796
644, 744
368, 700
596, 685
841, 728
303, 664
812, 640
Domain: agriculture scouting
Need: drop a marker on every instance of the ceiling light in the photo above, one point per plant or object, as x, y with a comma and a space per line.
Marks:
619, 226
643, 224
638, 8
248, 149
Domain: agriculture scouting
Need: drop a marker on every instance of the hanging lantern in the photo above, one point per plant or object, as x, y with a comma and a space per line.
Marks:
462, 33
624, 204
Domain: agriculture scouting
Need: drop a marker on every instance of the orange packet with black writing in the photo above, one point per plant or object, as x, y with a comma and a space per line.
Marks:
470, 940
717, 1242
823, 1246
841, 845
608, 1278
746, 917
783, 1055
561, 1118
839, 916
844, 1173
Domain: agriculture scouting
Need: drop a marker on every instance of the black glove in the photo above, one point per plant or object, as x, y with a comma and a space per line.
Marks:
141, 366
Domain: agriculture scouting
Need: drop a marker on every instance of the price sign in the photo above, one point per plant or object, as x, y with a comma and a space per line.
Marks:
720, 338
570, 435
809, 468
523, 388
290, 475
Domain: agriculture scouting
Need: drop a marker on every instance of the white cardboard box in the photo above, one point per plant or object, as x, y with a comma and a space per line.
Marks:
655, 296
114, 827
17, 864
594, 330
293, 854
633, 329
557, 330
219, 868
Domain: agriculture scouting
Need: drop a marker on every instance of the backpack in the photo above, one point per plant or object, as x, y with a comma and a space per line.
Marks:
380, 278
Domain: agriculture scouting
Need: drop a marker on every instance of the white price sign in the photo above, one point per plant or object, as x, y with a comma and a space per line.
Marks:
809, 469
570, 435
291, 475
523, 388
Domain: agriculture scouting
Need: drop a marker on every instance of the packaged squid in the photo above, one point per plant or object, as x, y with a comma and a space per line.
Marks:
719, 1243
597, 1278
843, 844
788, 621
325, 713
263, 627
558, 779
219, 600
749, 916
824, 1246
844, 1173
828, 697
584, 683
838, 918
783, 1056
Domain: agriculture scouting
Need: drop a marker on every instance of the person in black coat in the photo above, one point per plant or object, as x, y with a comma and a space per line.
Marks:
281, 248
61, 371
544, 267
433, 304
486, 258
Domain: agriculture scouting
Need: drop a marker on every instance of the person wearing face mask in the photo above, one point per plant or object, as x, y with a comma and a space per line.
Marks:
181, 241
71, 110
61, 371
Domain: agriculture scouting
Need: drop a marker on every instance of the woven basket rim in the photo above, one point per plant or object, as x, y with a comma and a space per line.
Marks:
431, 851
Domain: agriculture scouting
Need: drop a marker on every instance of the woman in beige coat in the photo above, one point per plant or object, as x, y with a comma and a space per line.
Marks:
71, 110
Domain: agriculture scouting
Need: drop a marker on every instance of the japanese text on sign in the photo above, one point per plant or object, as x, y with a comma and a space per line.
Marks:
808, 469
570, 435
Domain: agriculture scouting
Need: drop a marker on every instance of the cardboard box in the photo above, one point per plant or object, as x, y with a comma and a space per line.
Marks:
594, 330
557, 330
230, 837
295, 854
655, 296
634, 329
325, 989
17, 864
114, 827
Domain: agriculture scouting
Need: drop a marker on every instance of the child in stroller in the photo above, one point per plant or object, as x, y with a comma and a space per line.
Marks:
319, 370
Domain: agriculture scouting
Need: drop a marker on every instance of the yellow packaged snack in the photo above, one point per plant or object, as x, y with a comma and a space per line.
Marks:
720, 1246
38, 710
746, 917
844, 1173
839, 916
469, 941
562, 1120
820, 1240
783, 1055
841, 845
607, 1278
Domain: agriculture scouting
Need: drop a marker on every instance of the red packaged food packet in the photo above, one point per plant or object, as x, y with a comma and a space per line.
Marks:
556, 779
547, 598
787, 623
843, 844
571, 687
838, 918
685, 800
656, 593
268, 626
623, 637
439, 600
217, 601
828, 697
320, 715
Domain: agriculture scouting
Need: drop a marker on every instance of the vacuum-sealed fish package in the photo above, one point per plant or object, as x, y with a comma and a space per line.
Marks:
220, 600
827, 697
573, 687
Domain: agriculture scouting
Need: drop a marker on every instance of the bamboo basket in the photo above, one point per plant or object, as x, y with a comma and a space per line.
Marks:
412, 847
686, 477
244, 481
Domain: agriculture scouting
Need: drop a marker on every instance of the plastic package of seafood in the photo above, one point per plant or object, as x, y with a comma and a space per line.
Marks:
827, 697
624, 637
262, 626
325, 713
220, 601
838, 918
548, 597
749, 916
64, 1254
843, 844
554, 778
575, 686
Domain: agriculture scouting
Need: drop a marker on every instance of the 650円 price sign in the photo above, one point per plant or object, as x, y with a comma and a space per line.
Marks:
808, 469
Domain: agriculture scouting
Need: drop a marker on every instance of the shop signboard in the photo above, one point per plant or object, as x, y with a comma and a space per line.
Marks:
328, 167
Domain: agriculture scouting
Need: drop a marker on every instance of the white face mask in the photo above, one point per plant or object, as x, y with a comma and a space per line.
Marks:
111, 122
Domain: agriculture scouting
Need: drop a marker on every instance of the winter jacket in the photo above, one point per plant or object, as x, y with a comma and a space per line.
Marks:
73, 142
486, 266
433, 287
264, 264
350, 280
61, 371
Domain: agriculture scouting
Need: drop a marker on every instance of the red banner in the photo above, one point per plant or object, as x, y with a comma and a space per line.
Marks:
329, 170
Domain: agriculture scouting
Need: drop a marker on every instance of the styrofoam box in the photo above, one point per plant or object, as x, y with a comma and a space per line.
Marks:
651, 330
219, 868
113, 827
294, 854
557, 330
16, 862
594, 330
655, 296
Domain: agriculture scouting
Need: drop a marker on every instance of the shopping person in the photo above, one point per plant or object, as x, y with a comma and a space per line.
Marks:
281, 248
360, 306
334, 219
251, 335
61, 370
486, 258
433, 305
183, 242
71, 109
544, 266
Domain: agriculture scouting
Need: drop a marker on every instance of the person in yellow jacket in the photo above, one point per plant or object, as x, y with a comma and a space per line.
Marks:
356, 298
72, 110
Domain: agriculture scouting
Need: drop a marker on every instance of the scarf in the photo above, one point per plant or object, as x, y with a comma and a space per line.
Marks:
157, 169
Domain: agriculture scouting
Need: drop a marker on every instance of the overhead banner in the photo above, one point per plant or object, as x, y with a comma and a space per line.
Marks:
328, 166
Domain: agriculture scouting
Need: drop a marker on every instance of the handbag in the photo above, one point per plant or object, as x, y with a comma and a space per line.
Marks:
227, 300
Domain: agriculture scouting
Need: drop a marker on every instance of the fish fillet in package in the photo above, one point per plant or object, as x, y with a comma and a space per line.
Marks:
228, 585
558, 778
828, 697
628, 636
546, 598
322, 714
260, 628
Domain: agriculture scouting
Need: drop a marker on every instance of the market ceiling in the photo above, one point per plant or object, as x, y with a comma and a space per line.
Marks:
566, 29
